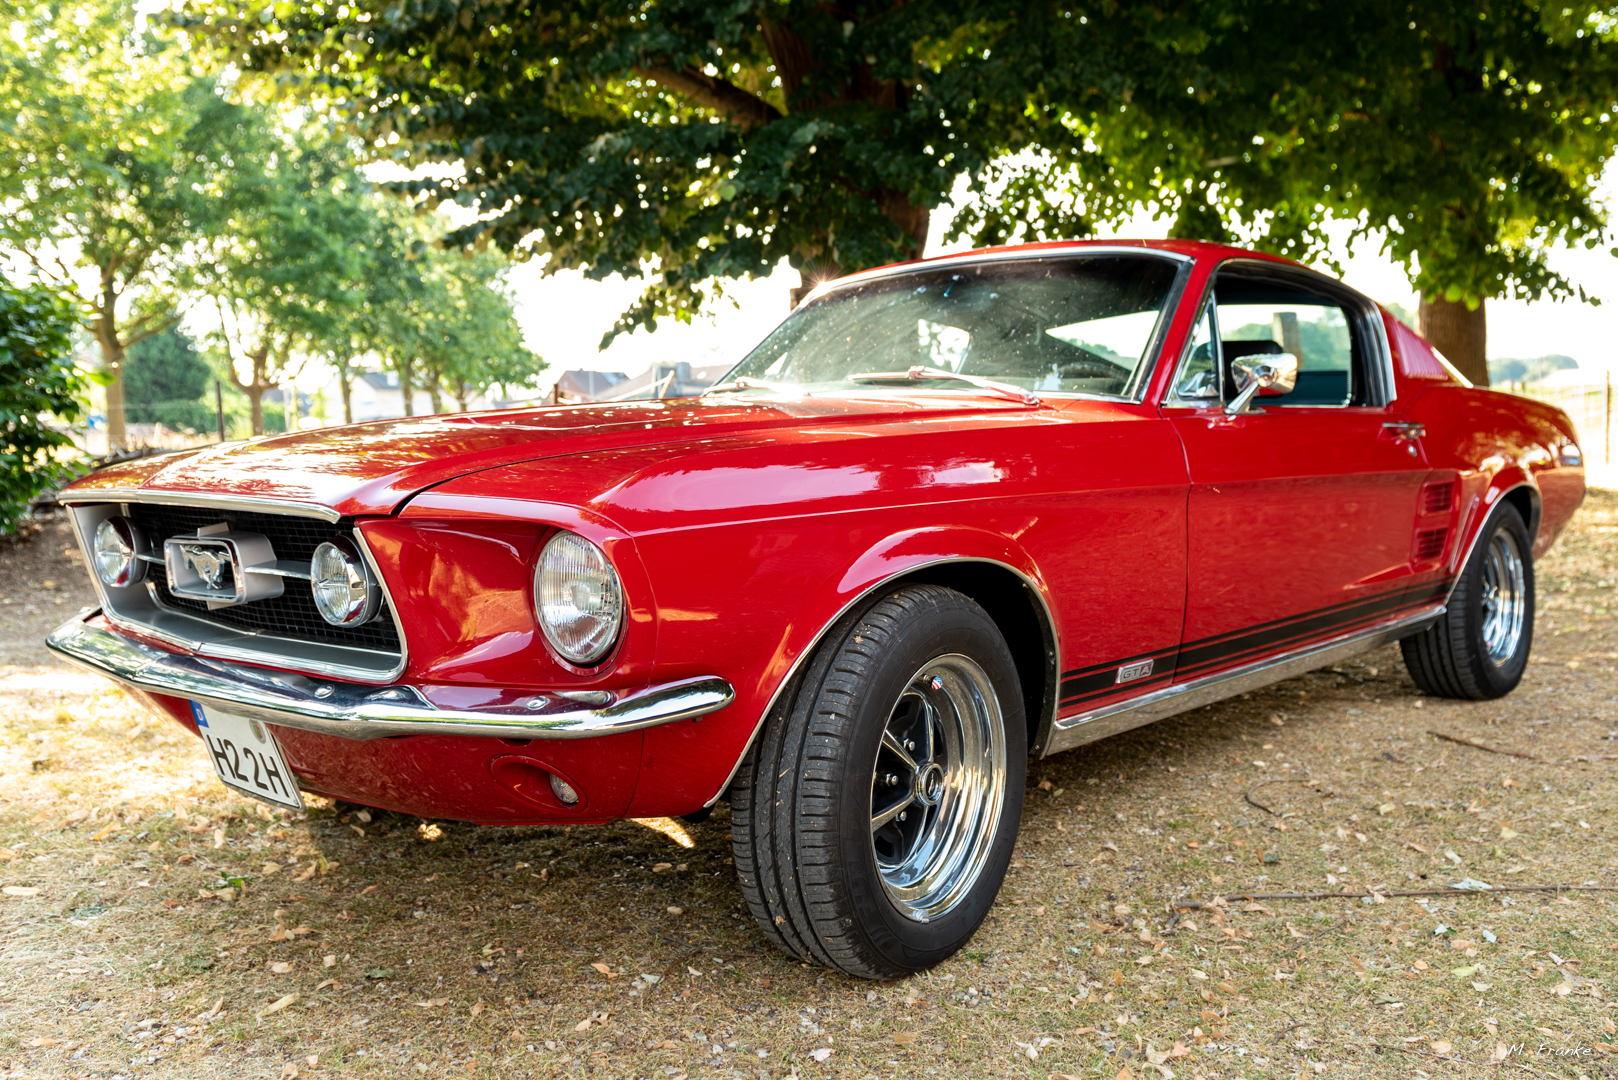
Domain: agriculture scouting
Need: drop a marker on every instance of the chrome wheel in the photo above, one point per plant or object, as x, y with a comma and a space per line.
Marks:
1504, 597
938, 786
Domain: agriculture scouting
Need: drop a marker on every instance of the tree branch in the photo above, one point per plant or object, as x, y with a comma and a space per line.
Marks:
230, 350
737, 105
134, 336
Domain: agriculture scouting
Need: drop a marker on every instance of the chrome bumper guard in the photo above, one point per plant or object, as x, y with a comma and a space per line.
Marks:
370, 712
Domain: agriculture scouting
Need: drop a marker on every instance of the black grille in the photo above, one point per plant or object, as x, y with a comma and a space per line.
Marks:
292, 614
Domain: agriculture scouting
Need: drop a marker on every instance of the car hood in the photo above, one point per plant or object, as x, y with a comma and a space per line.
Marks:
367, 469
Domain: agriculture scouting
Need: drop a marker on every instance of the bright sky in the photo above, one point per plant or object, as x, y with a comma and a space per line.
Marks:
565, 315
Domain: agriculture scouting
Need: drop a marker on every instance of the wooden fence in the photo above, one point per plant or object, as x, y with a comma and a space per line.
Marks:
1589, 406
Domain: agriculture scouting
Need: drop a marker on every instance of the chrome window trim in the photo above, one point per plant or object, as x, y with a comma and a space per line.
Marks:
206, 501
370, 712
1053, 654
1380, 378
225, 642
1087, 727
1066, 251
1151, 356
1172, 399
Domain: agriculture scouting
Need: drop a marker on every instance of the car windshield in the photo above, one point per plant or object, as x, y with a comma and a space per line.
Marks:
1078, 325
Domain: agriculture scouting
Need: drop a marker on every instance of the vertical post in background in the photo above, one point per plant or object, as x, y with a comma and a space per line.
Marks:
219, 407
1608, 440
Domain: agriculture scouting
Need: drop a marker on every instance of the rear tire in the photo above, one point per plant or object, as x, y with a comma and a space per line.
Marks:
1478, 650
873, 818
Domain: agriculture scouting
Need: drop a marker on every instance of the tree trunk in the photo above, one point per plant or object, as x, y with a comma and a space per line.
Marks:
345, 384
435, 393
255, 406
912, 219
406, 389
1460, 334
112, 361
460, 394
255, 386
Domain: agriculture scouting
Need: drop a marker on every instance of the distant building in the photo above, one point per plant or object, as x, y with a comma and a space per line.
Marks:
575, 385
667, 381
377, 395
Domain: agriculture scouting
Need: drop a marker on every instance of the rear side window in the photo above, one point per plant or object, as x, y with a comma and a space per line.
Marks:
1256, 317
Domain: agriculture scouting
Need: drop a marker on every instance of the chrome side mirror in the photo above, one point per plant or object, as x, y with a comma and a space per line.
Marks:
1266, 371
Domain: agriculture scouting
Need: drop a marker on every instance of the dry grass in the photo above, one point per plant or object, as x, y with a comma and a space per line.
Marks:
452, 950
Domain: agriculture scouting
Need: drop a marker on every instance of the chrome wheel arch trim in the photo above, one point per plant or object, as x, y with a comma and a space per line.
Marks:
252, 503
1490, 511
1053, 653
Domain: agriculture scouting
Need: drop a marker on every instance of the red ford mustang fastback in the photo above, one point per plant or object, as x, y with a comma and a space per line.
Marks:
948, 515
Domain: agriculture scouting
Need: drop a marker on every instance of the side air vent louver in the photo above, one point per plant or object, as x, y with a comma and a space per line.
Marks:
1430, 544
1438, 498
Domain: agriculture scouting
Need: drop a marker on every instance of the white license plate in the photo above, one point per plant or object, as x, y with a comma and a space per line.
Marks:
246, 757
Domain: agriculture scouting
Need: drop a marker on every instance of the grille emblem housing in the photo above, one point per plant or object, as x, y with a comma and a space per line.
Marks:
216, 565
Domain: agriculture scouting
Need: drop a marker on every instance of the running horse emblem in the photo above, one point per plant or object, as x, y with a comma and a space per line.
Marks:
209, 562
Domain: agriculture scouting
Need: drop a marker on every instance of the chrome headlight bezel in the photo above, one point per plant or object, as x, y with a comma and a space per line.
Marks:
117, 550
578, 599
345, 590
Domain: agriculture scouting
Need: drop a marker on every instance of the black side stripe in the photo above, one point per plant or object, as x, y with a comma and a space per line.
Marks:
1222, 650
1112, 665
1198, 658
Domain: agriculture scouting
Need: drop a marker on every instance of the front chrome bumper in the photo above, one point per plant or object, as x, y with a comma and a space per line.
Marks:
371, 712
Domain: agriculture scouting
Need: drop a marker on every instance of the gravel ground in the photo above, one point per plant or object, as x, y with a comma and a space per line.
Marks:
152, 924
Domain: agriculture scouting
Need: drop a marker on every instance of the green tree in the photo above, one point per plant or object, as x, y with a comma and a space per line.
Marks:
710, 140
166, 381
38, 382
470, 339
1471, 135
283, 274
114, 163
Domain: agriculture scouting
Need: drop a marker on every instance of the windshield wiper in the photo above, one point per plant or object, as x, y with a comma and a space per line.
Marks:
921, 374
745, 382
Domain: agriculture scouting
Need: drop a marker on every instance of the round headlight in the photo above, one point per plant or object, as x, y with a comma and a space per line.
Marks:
345, 592
119, 545
578, 598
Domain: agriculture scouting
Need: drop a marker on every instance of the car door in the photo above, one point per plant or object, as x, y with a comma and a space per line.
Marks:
1301, 514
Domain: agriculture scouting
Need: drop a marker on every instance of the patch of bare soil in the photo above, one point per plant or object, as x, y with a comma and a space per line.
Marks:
151, 924
42, 582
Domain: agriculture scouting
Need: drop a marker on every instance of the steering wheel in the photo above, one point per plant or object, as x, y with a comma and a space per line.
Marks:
1087, 365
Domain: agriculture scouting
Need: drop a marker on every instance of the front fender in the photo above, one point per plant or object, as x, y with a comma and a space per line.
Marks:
800, 590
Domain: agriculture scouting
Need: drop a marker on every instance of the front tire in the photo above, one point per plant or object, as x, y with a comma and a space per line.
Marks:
874, 817
1478, 649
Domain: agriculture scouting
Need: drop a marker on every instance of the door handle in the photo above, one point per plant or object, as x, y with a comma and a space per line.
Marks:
1405, 429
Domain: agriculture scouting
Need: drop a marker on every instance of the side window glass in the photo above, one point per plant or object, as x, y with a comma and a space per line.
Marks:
1257, 319
1199, 375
